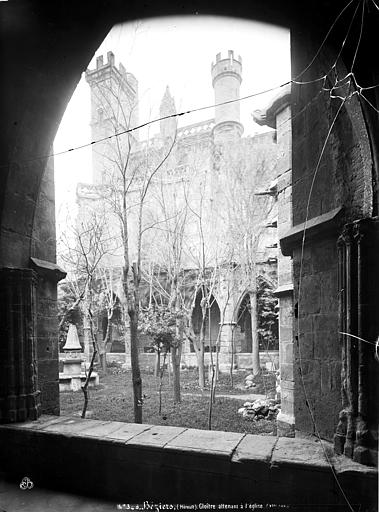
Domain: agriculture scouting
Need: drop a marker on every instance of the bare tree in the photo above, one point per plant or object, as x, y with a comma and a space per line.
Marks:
247, 213
168, 223
107, 301
128, 176
83, 248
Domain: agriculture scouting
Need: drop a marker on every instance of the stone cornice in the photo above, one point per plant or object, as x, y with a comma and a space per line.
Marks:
47, 269
323, 224
284, 289
267, 116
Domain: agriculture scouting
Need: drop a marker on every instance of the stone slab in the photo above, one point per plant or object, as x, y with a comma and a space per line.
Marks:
156, 436
300, 452
199, 465
206, 441
202, 452
256, 448
102, 429
39, 424
70, 425
128, 430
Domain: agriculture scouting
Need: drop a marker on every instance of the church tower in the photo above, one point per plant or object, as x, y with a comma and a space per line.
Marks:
226, 81
167, 108
114, 109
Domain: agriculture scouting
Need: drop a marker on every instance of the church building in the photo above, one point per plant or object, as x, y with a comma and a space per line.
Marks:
209, 212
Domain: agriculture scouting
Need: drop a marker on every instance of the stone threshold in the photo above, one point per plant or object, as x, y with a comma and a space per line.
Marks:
116, 460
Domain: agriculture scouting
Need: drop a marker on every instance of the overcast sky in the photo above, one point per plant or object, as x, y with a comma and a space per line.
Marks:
175, 51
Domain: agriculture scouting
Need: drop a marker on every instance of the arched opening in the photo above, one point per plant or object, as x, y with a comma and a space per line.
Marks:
244, 324
112, 328
267, 315
206, 199
36, 100
206, 321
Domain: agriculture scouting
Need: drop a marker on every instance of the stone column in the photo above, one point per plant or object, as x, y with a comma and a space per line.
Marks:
284, 292
361, 449
278, 115
340, 434
356, 433
226, 346
19, 397
286, 417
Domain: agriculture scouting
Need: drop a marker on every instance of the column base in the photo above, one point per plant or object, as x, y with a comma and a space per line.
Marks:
339, 443
366, 456
285, 425
16, 408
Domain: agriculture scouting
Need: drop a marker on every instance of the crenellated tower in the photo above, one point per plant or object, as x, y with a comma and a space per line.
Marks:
114, 109
226, 81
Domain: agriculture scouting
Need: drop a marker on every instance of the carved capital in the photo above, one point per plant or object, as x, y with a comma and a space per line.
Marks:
358, 232
346, 237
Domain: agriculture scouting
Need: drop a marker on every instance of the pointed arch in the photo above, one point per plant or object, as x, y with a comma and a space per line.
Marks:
242, 319
211, 324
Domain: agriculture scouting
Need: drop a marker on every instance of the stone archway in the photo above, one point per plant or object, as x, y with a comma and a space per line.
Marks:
243, 321
46, 48
211, 324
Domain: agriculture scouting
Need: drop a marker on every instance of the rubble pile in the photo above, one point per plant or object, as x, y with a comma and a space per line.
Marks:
249, 381
267, 409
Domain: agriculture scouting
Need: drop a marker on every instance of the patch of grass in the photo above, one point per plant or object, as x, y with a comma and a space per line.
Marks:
113, 400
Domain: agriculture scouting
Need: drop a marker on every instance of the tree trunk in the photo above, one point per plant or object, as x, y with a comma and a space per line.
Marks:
90, 370
87, 338
199, 351
103, 346
103, 360
136, 373
176, 353
254, 334
168, 370
157, 365
200, 364
161, 383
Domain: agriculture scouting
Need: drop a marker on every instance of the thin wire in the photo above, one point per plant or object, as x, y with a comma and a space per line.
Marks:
358, 338
373, 1
147, 123
295, 81
299, 296
306, 82
143, 125
333, 67
369, 102
360, 35
302, 109
347, 35
370, 87
324, 40
336, 83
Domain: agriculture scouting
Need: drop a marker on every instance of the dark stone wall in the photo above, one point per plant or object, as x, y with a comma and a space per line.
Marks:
317, 351
344, 172
369, 311
42, 53
332, 167
43, 247
129, 463
44, 47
